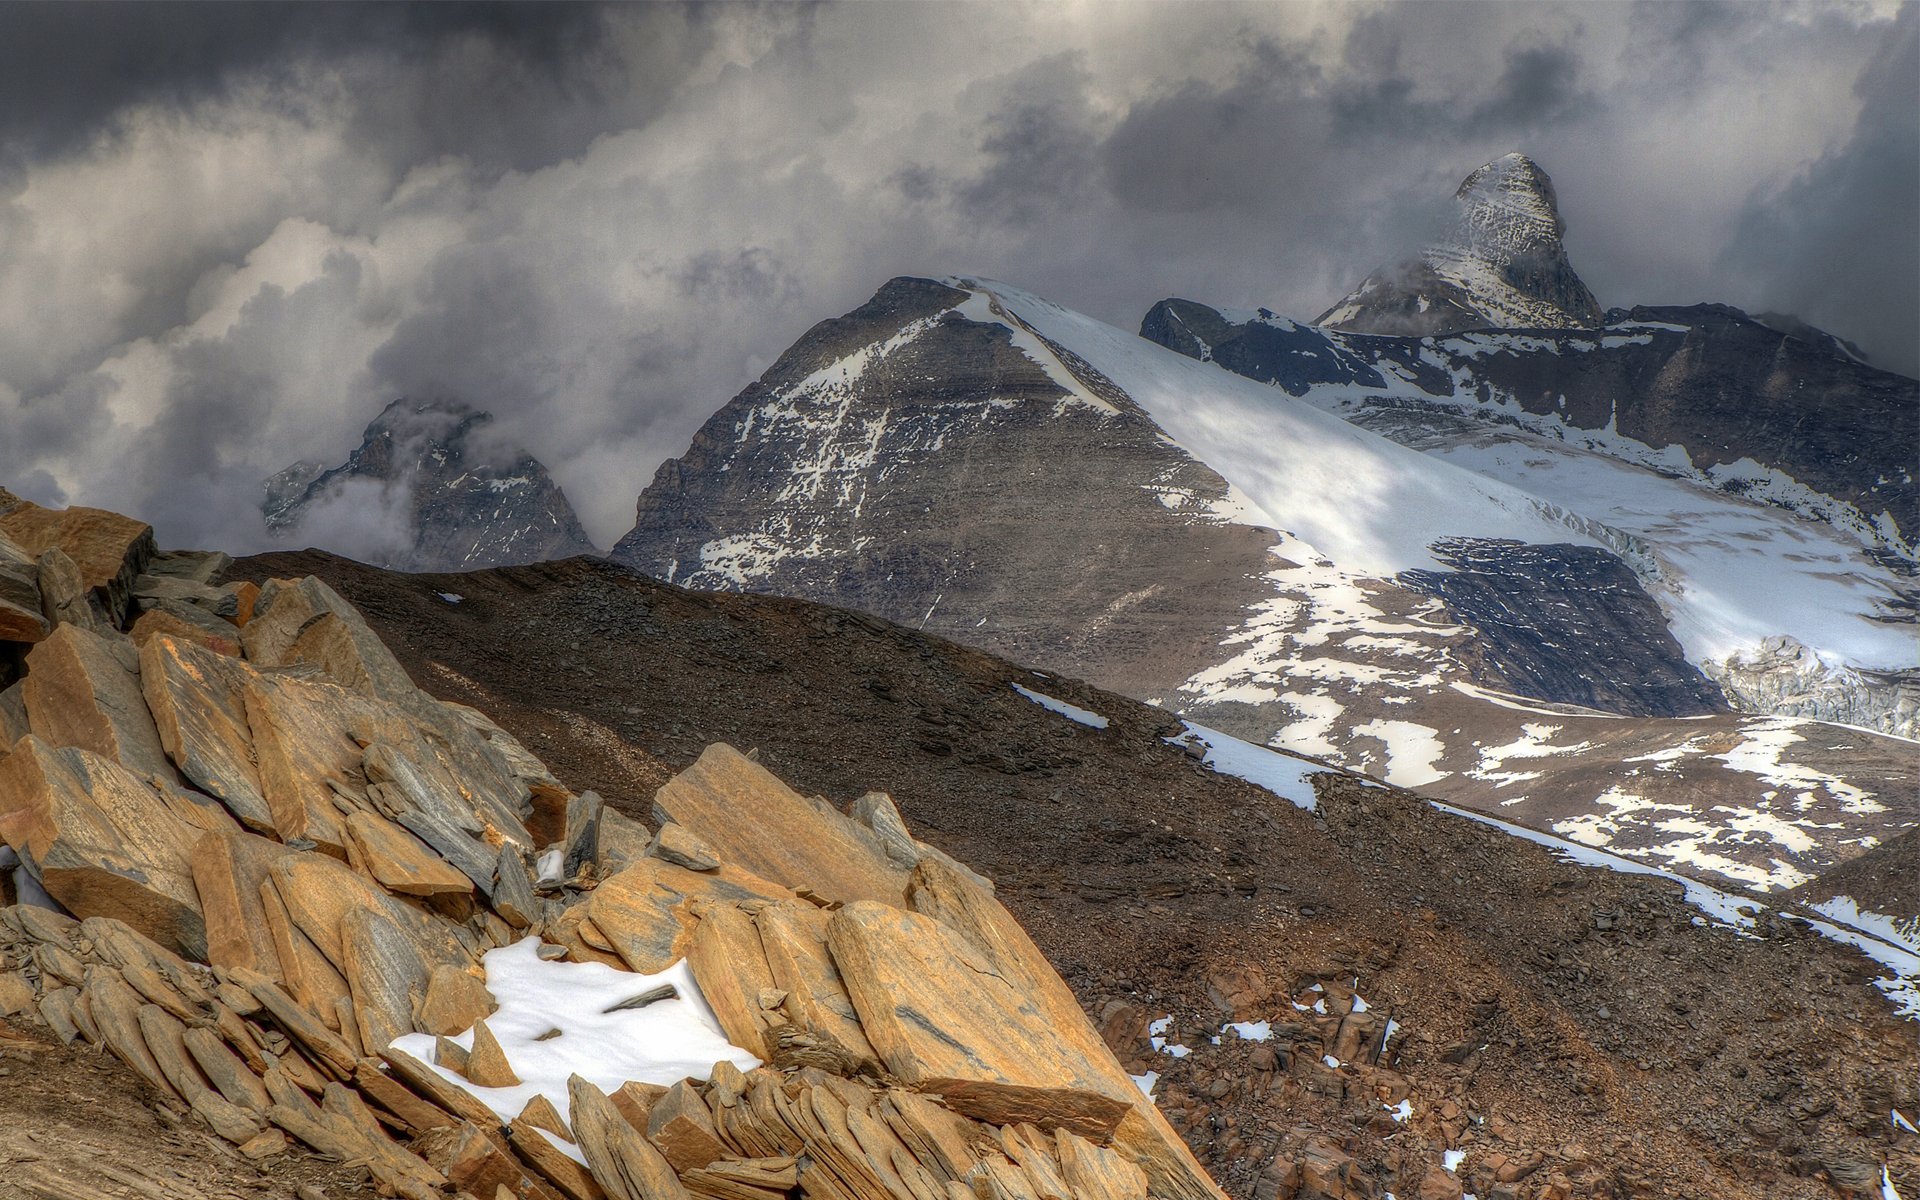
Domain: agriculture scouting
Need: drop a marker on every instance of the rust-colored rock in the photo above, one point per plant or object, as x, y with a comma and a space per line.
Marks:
197, 697
108, 550
455, 999
752, 819
103, 842
640, 910
400, 861
228, 870
681, 1128
82, 690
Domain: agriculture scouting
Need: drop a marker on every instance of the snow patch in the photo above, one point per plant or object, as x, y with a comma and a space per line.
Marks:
1072, 712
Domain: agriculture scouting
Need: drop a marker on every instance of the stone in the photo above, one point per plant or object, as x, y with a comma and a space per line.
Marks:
477, 1165
13, 715
427, 787
332, 1054
541, 1114
22, 618
1438, 1184
269, 1144
221, 602
228, 870
435, 1087
635, 1100
401, 862
115, 1011
16, 994
303, 738
487, 1064
321, 892
623, 1162
876, 812
64, 598
199, 566
512, 891
81, 690
455, 999
539, 1149
386, 976
1095, 1173
723, 953
225, 1070
107, 549
641, 912
189, 625
793, 937
683, 848
961, 904
682, 1129
1238, 990
102, 842
197, 698
752, 819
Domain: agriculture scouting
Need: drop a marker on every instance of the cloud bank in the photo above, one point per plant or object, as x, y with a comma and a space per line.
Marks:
600, 223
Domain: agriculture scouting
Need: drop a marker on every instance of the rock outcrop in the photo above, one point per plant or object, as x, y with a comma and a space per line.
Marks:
284, 873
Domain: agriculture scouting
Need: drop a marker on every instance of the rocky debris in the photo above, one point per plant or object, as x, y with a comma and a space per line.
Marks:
465, 504
254, 951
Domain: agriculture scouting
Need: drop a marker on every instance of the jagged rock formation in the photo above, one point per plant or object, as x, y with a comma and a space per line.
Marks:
1500, 266
967, 459
452, 499
275, 878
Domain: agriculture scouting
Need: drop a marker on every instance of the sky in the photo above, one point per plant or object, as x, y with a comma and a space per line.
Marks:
231, 233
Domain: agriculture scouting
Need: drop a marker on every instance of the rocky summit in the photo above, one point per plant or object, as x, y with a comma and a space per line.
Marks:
428, 488
1499, 265
967, 458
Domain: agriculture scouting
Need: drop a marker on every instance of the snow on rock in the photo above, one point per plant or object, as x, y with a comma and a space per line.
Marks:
1072, 712
663, 1043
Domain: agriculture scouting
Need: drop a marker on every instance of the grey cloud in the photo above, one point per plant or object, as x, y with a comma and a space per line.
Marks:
1839, 246
599, 223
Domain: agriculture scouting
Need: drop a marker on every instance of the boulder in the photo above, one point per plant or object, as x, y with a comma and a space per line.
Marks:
793, 937
64, 597
683, 848
723, 953
197, 698
22, 618
453, 1001
641, 911
199, 566
82, 689
108, 550
13, 715
207, 632
386, 974
221, 602
103, 842
228, 870
400, 861
624, 1163
752, 819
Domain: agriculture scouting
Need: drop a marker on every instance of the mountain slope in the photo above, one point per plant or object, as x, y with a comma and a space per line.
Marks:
970, 459
446, 495
1694, 433
1540, 997
1499, 265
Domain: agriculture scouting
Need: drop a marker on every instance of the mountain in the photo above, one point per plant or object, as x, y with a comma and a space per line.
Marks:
1499, 264
966, 458
429, 488
1510, 984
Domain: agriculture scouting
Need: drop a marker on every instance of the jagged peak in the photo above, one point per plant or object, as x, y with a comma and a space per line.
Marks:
1500, 264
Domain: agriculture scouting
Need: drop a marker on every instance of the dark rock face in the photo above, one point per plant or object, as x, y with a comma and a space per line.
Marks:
1500, 266
1569, 624
954, 485
456, 502
1708, 378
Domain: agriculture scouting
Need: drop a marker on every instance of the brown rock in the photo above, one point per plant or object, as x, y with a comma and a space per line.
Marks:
225, 1071
64, 596
16, 994
635, 1100
310, 977
1238, 990
624, 1163
455, 999
682, 1129
539, 1150
198, 701
114, 1009
1095, 1173
22, 618
793, 937
107, 549
386, 976
400, 861
788, 840
1438, 1184
431, 1084
13, 715
470, 1159
102, 842
320, 892
640, 910
393, 1097
487, 1064
81, 690
683, 848
189, 624
302, 738
940, 1139
228, 870
541, 1114
724, 955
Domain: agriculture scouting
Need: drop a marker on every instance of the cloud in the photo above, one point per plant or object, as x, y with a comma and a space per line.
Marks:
600, 223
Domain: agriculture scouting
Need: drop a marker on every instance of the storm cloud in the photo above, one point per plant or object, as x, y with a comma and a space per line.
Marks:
230, 234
